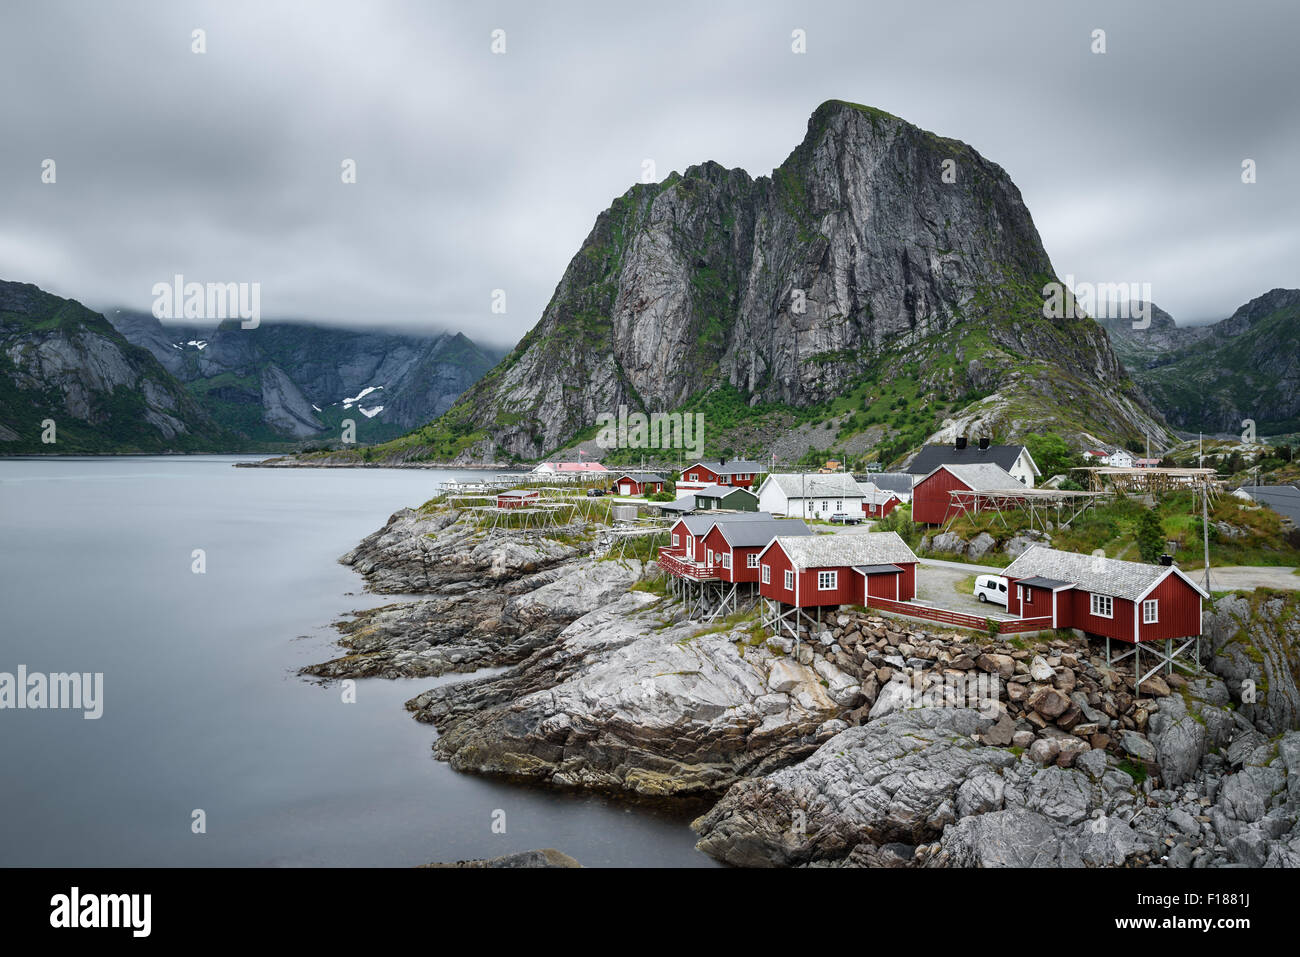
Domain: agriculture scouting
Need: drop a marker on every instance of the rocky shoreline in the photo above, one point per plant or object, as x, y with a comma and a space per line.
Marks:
873, 742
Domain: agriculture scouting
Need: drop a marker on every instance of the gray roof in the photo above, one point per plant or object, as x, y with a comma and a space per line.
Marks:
1040, 582
719, 491
874, 495
846, 548
932, 456
750, 534
699, 525
830, 485
640, 476
876, 569
1283, 499
985, 477
900, 482
1093, 573
731, 467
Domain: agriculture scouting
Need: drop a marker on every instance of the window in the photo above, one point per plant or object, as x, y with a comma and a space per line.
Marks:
839, 506
726, 559
1029, 595
767, 574
826, 506
1150, 611
676, 540
694, 477
710, 556
789, 580
1020, 593
1103, 606
751, 561
827, 581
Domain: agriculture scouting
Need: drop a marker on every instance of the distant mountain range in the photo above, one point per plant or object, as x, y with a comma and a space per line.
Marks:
136, 385
300, 380
1213, 377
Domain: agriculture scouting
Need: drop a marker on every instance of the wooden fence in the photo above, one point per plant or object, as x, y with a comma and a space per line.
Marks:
1005, 627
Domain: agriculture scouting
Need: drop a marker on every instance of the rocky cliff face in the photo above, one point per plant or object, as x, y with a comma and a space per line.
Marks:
853, 258
300, 380
1210, 378
59, 361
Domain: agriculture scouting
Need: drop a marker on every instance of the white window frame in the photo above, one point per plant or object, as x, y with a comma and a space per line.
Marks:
1097, 602
789, 580
693, 477
831, 577
709, 552
726, 560
767, 574
1152, 605
1020, 593
751, 560
677, 540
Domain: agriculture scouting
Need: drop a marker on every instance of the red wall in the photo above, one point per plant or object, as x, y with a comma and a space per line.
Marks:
931, 504
703, 476
737, 572
1180, 611
881, 510
849, 584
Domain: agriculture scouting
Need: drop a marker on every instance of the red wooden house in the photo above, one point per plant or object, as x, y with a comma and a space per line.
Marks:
733, 547
878, 502
687, 555
737, 473
638, 483
1130, 601
517, 497
843, 569
932, 503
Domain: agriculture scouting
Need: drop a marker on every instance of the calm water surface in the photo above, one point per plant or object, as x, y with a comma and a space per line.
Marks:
203, 708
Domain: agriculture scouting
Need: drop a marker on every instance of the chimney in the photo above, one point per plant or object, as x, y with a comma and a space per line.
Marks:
961, 441
1166, 560
984, 444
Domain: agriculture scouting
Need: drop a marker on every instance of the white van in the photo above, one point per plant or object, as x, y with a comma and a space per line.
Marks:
991, 588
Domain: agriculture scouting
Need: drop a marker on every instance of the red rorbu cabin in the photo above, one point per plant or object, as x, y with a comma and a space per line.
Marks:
734, 546
842, 569
1129, 601
638, 483
738, 473
932, 503
687, 556
517, 497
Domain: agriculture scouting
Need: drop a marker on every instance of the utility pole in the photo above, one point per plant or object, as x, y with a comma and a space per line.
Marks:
1205, 528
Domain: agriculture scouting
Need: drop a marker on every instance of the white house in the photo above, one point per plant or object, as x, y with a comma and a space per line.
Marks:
810, 495
1120, 459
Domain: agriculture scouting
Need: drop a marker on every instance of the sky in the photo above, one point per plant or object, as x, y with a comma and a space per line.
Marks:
479, 171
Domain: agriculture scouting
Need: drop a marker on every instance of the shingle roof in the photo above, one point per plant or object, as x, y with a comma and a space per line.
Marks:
640, 477
985, 477
900, 482
749, 534
832, 485
846, 548
699, 525
932, 456
875, 496
1093, 573
1283, 499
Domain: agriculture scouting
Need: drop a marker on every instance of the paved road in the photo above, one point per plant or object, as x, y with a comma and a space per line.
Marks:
1234, 577
935, 585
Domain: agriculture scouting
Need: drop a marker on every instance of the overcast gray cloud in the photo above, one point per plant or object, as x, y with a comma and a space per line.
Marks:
479, 171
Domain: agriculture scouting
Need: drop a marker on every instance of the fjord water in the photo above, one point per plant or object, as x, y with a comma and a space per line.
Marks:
202, 704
